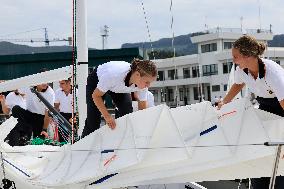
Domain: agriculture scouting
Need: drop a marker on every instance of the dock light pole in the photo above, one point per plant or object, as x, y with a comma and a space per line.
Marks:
276, 161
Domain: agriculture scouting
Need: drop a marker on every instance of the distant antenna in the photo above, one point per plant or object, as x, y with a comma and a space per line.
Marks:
241, 19
104, 34
205, 23
46, 40
259, 18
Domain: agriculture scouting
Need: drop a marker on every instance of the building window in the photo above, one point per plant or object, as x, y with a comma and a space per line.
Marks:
195, 71
227, 67
172, 74
215, 88
209, 47
155, 94
195, 93
228, 45
225, 87
163, 95
186, 73
170, 95
210, 69
181, 94
186, 96
161, 76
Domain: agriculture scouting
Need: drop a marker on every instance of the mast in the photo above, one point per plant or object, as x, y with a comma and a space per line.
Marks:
82, 60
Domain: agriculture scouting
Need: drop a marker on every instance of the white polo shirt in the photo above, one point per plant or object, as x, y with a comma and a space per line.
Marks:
35, 105
272, 85
12, 100
150, 100
111, 77
65, 101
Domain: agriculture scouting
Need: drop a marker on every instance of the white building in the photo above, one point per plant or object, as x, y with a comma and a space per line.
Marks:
212, 63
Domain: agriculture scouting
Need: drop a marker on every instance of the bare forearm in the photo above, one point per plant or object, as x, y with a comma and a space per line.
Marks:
98, 100
46, 121
142, 105
282, 103
5, 109
235, 89
56, 106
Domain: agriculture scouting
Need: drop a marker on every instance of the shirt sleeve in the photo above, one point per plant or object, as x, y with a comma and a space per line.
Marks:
9, 101
150, 99
24, 90
238, 76
142, 95
104, 83
50, 96
275, 80
56, 100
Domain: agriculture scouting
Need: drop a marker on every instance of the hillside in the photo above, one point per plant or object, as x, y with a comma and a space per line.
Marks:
7, 48
184, 45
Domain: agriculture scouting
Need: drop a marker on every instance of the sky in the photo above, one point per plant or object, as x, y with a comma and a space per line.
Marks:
24, 19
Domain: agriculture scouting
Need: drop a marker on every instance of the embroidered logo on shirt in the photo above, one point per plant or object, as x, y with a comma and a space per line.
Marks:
270, 91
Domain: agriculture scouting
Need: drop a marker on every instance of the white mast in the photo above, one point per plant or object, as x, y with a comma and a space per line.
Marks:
82, 60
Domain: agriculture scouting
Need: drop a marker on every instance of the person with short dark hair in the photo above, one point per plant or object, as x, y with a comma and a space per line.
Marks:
63, 103
118, 79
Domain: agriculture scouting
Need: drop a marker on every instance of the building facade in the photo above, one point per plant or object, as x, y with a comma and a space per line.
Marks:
204, 76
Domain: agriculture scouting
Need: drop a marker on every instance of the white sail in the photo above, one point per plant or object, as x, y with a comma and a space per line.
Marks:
156, 145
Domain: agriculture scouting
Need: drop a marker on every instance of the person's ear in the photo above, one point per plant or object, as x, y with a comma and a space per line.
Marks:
137, 74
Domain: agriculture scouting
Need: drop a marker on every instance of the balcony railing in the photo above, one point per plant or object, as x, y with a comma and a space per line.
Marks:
218, 30
187, 77
230, 30
254, 31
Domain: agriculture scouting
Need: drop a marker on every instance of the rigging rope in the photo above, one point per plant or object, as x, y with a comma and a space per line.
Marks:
148, 30
145, 148
2, 165
74, 72
28, 31
174, 53
6, 183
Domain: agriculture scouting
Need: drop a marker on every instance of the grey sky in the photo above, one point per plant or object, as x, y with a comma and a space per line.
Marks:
126, 20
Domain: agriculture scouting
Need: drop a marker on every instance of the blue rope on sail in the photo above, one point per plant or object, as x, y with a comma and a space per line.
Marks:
103, 179
208, 130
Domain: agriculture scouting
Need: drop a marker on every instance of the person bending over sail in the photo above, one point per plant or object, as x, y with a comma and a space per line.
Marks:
118, 79
35, 119
264, 78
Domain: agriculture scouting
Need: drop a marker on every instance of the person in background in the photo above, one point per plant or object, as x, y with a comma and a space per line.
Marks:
118, 79
63, 102
12, 99
35, 119
135, 100
215, 101
264, 78
150, 99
